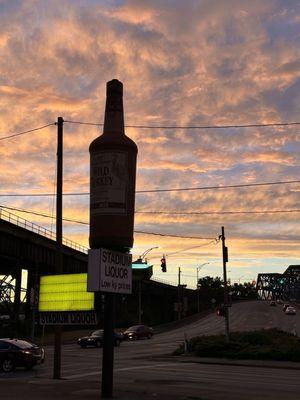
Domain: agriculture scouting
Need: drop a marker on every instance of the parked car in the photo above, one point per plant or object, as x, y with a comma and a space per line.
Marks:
19, 353
138, 332
285, 306
95, 339
272, 303
290, 310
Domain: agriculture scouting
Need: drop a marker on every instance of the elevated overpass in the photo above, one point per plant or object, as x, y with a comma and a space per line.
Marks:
27, 246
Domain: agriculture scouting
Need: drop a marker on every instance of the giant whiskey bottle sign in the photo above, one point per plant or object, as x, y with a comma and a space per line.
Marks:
112, 178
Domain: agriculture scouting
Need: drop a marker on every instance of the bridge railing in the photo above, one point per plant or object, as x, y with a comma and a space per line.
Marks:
31, 226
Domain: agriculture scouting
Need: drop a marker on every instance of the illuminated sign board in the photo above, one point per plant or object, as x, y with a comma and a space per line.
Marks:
65, 293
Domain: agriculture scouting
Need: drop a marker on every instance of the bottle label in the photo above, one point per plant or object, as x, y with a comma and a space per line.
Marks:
109, 183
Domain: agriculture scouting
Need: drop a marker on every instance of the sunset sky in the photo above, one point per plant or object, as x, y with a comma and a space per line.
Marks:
182, 63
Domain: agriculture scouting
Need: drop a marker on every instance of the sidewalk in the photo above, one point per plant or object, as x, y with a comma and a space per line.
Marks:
49, 389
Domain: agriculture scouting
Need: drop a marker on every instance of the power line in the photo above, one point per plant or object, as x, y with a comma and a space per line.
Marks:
218, 187
256, 125
40, 214
215, 241
218, 212
158, 190
175, 236
23, 133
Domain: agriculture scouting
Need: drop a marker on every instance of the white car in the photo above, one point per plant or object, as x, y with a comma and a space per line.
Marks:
290, 310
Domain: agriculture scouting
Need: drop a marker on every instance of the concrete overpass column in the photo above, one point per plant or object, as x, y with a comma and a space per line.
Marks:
17, 299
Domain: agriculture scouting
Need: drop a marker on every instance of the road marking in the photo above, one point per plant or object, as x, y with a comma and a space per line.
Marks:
120, 370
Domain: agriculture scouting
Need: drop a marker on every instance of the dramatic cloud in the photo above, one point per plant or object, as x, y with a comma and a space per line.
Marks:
191, 63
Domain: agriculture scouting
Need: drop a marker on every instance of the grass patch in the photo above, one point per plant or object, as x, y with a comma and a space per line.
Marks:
266, 344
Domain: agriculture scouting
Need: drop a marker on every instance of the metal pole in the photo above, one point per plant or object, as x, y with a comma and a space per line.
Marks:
226, 304
198, 297
179, 295
59, 255
108, 346
140, 302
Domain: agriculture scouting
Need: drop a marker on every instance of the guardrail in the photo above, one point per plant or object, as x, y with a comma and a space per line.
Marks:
31, 226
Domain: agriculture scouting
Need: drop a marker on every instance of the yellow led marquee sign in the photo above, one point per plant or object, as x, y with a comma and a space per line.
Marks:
65, 293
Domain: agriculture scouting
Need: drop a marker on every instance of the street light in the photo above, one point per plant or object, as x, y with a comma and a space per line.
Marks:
198, 298
140, 259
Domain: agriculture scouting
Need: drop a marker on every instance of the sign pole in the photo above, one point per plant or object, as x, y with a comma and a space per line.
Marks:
112, 197
108, 346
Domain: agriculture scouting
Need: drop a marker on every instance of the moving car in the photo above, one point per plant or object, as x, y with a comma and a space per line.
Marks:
138, 332
19, 353
290, 310
272, 303
95, 339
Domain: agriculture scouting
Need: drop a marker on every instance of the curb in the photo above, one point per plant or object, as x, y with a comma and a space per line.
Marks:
244, 363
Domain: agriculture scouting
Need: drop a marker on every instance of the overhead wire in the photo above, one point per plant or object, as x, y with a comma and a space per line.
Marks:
246, 185
217, 212
87, 223
255, 125
28, 131
214, 241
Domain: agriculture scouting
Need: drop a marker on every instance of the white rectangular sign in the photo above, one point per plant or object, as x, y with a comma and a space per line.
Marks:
109, 183
109, 271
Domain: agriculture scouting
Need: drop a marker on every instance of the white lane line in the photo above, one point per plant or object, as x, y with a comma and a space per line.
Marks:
120, 370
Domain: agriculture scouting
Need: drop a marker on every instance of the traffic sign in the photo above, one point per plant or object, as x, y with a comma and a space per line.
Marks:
109, 271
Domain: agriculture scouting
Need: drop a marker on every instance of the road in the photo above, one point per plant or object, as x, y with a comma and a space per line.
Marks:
142, 366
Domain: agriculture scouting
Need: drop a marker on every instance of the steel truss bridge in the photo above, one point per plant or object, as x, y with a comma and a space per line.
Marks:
284, 286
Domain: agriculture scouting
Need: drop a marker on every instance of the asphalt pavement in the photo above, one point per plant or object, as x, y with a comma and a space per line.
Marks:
145, 370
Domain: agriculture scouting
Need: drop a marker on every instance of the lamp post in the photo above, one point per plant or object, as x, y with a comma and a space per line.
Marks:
198, 298
140, 259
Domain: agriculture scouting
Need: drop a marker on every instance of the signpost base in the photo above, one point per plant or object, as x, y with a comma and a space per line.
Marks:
108, 347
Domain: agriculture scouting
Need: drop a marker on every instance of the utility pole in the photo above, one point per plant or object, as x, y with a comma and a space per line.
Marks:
226, 302
179, 304
197, 288
58, 255
140, 302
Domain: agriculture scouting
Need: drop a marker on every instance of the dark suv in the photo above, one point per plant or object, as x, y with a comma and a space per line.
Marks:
19, 353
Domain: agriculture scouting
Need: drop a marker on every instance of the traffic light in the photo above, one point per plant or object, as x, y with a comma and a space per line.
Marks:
220, 311
163, 264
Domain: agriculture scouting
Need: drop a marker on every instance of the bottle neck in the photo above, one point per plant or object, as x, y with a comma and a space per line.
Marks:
114, 113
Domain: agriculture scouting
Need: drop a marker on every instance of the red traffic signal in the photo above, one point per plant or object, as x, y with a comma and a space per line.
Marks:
163, 265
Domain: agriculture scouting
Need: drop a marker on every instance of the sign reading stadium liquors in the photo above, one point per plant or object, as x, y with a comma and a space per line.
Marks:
109, 271
68, 318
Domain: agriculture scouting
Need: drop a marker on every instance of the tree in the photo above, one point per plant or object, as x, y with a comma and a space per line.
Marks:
209, 282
